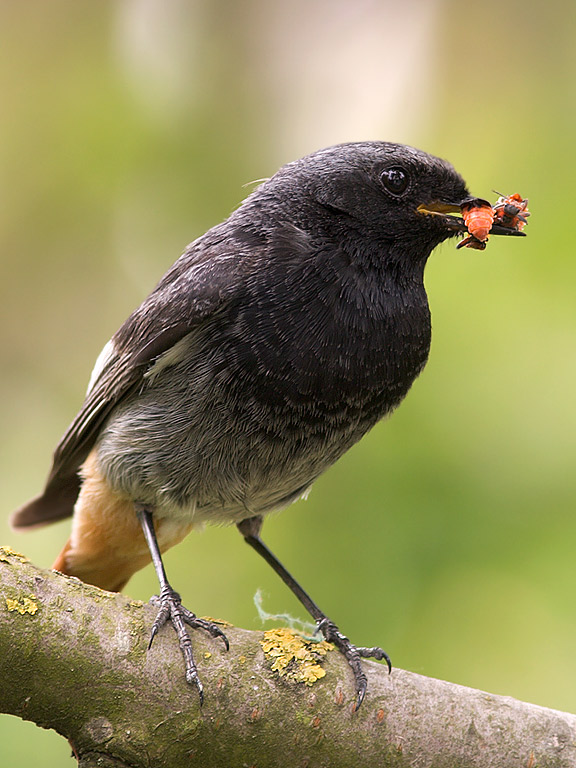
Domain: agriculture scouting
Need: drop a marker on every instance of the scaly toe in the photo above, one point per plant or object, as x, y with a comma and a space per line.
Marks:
171, 609
353, 655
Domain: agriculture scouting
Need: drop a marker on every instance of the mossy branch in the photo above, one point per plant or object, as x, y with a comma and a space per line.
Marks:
74, 658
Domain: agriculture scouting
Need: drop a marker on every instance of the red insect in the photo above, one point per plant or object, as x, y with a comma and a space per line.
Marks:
511, 211
478, 216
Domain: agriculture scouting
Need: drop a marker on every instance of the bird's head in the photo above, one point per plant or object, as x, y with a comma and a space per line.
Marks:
388, 194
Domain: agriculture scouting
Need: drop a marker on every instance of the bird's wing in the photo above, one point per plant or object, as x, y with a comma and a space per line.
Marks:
199, 284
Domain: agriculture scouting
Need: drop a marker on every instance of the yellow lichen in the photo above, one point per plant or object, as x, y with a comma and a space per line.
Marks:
293, 656
7, 552
221, 622
22, 605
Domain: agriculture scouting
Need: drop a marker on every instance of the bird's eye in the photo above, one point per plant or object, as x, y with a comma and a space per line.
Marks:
395, 180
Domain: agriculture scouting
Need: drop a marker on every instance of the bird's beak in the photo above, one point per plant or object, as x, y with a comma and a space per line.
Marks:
438, 207
445, 209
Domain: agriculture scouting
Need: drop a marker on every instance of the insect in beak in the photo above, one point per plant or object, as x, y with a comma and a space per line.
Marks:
459, 224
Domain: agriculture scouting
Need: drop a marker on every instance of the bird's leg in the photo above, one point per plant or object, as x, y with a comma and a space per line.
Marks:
250, 530
171, 608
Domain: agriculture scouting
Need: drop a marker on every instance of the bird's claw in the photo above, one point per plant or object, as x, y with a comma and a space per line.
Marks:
353, 654
171, 609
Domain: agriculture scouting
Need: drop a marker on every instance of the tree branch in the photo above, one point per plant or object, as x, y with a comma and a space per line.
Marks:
74, 658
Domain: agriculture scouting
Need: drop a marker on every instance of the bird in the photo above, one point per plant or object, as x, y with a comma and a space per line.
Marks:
271, 346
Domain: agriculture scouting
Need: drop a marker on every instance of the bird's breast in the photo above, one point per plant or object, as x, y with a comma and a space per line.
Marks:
253, 407
355, 344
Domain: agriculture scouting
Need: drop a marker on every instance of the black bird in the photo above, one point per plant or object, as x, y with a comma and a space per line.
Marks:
274, 343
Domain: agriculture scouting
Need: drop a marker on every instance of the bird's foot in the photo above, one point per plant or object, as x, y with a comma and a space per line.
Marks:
353, 655
171, 609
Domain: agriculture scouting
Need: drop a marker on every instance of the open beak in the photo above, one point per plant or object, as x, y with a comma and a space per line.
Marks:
446, 210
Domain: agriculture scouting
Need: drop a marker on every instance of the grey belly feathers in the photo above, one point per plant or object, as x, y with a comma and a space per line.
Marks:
189, 446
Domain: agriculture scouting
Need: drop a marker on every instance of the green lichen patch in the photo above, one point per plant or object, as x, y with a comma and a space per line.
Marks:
22, 604
294, 657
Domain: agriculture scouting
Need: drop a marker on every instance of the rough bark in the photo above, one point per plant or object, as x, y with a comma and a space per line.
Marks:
74, 658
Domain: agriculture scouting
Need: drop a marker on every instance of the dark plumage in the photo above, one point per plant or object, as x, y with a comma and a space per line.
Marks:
271, 346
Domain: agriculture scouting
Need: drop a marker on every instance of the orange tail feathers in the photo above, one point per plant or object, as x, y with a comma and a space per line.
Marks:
107, 545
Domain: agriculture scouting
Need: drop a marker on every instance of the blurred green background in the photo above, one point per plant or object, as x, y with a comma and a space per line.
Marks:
128, 128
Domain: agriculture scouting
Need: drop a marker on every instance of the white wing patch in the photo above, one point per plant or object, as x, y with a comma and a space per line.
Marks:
102, 360
172, 356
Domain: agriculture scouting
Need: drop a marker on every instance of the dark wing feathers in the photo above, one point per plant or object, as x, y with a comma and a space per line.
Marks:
122, 373
196, 286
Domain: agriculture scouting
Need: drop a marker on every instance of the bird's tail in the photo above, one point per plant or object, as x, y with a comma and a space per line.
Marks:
56, 503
